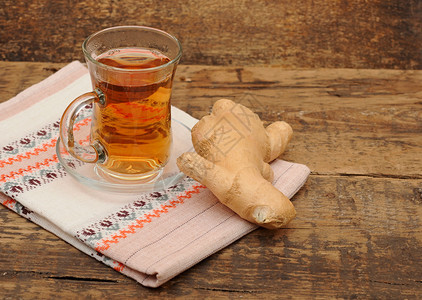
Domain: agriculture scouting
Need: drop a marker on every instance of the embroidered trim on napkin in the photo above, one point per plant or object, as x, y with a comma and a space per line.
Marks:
150, 237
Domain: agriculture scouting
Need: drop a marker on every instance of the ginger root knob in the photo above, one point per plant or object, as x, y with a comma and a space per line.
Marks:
233, 150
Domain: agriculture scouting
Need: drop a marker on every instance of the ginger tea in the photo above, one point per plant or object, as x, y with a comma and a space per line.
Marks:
134, 125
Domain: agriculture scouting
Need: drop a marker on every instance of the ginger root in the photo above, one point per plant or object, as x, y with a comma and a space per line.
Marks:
233, 150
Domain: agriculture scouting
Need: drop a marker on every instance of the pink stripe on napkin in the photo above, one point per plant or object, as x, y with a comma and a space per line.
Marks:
42, 90
150, 237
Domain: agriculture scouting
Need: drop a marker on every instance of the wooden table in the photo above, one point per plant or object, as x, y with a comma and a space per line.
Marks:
345, 74
357, 233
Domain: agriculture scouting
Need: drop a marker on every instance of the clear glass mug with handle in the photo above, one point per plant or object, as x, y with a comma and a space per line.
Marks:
132, 70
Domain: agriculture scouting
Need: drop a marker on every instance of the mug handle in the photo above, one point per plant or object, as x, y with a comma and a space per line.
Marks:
92, 153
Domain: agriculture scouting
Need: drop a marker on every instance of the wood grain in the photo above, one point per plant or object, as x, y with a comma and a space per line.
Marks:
357, 232
361, 122
291, 34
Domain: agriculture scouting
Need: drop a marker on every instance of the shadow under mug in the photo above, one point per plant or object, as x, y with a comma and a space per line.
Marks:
132, 70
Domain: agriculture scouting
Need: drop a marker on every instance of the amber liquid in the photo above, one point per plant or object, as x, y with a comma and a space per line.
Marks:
134, 126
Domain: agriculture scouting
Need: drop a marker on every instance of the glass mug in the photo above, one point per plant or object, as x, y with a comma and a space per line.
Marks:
132, 70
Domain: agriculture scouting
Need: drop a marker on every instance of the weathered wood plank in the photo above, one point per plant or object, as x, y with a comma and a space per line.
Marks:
345, 121
306, 34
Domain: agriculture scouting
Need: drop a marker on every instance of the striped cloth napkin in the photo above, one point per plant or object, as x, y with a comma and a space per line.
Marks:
150, 237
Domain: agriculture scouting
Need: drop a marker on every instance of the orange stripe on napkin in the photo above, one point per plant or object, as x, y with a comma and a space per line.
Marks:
147, 218
82, 123
119, 266
43, 148
9, 202
29, 169
27, 155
